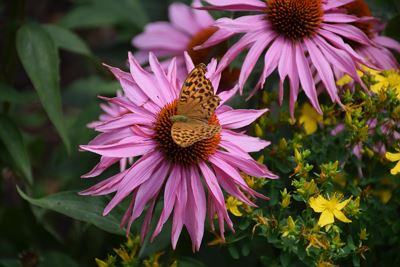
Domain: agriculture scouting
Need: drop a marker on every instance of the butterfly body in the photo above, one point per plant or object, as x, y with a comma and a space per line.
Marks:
197, 103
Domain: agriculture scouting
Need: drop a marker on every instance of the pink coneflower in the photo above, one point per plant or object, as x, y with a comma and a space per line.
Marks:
296, 37
187, 28
164, 168
379, 55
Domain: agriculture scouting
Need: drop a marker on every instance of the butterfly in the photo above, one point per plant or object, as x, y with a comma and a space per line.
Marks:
197, 103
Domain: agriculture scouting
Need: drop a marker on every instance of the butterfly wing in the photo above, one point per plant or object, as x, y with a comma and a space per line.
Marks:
186, 134
197, 99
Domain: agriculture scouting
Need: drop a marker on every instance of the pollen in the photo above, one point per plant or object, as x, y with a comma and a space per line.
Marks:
186, 156
296, 19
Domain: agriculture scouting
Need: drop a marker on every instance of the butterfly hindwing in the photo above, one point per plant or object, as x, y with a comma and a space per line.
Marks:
186, 134
197, 103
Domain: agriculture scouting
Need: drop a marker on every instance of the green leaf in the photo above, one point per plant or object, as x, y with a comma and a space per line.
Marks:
82, 208
66, 39
13, 141
9, 94
106, 12
39, 56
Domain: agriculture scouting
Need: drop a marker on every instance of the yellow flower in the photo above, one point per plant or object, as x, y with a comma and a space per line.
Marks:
363, 234
329, 209
123, 254
232, 204
394, 157
346, 79
390, 80
309, 118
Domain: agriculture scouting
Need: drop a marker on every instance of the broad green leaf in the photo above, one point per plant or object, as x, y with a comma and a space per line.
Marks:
68, 40
9, 94
82, 208
39, 56
11, 136
106, 12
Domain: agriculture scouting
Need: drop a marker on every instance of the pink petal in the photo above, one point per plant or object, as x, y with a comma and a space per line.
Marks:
106, 186
137, 174
251, 167
146, 82
235, 50
131, 89
111, 137
348, 31
239, 118
166, 89
306, 78
243, 24
169, 198
388, 42
253, 55
181, 16
339, 18
245, 142
196, 211
212, 184
180, 208
147, 219
203, 18
237, 5
331, 4
324, 69
161, 35
105, 163
127, 147
125, 121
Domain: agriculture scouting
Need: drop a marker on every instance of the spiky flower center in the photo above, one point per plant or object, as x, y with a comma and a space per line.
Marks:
199, 151
296, 19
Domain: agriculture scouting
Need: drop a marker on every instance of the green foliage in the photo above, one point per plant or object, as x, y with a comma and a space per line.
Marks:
39, 56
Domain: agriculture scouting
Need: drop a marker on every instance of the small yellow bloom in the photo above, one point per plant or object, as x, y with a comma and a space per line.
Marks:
101, 263
232, 204
286, 197
290, 228
309, 118
394, 157
123, 254
329, 209
363, 234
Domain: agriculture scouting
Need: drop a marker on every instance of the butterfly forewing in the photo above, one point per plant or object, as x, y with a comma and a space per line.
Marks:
197, 99
197, 102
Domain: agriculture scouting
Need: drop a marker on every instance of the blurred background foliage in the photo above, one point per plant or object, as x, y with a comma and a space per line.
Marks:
50, 76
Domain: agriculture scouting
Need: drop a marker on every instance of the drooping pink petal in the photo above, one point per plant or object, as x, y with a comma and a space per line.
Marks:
388, 42
212, 184
104, 163
324, 70
239, 118
306, 78
245, 142
335, 3
125, 121
180, 208
237, 5
162, 80
105, 187
253, 55
136, 175
169, 198
196, 211
251, 167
